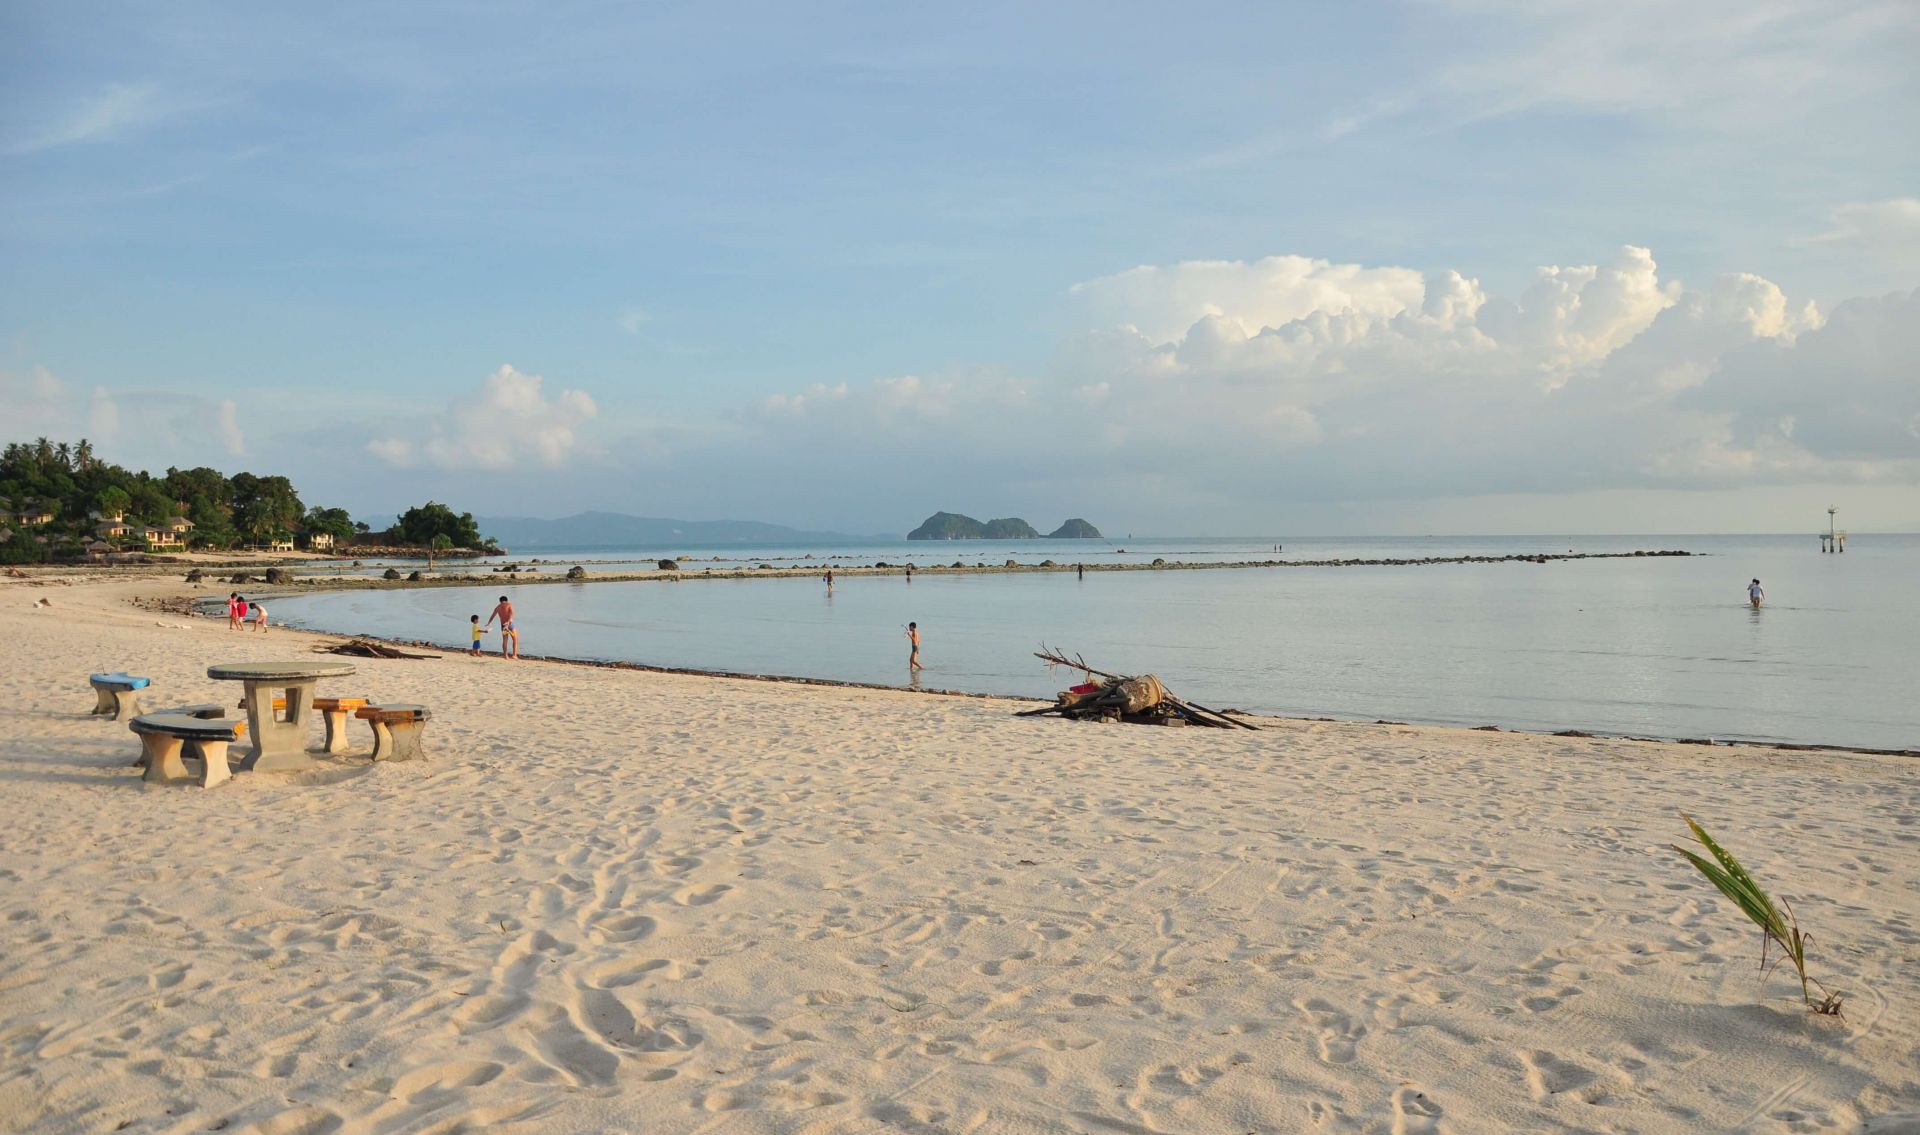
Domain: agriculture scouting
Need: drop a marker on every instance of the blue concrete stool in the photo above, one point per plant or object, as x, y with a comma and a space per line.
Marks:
117, 694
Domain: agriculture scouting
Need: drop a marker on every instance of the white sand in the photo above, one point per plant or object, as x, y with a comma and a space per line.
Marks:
618, 901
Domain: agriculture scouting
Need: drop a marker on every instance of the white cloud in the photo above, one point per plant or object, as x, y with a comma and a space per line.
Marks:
1889, 228
103, 415
227, 425
105, 114
37, 403
1731, 62
1308, 380
509, 424
1162, 302
797, 405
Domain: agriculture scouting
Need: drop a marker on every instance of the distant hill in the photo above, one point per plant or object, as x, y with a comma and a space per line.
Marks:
949, 526
1075, 529
617, 530
954, 526
1009, 528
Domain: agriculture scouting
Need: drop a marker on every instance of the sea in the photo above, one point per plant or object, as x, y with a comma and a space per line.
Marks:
1655, 646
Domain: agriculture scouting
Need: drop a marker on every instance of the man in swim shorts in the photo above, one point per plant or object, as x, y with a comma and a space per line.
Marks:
508, 635
1755, 594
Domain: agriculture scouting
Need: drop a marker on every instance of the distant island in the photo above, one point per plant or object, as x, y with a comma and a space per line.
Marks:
954, 526
618, 530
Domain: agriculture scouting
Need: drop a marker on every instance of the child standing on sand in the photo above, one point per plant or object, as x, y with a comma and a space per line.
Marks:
478, 630
913, 656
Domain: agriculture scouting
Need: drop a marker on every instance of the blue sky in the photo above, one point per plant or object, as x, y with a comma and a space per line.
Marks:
842, 265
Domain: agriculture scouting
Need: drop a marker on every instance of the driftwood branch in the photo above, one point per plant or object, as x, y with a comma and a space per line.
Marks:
367, 648
1121, 697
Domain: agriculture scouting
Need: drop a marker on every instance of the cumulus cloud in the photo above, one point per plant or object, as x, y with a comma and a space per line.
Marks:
1161, 302
1849, 390
510, 423
1286, 377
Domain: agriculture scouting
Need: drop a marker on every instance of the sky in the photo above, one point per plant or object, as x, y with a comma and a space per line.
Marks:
1446, 266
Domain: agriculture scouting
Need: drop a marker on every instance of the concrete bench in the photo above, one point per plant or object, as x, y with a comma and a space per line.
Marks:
162, 735
396, 730
117, 694
335, 712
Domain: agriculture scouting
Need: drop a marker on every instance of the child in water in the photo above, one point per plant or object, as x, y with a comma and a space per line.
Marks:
478, 630
913, 657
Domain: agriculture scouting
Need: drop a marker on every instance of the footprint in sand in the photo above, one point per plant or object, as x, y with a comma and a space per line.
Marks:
620, 927
701, 895
445, 1078
620, 972
1001, 965
1548, 1075
584, 1061
1414, 1112
1338, 1033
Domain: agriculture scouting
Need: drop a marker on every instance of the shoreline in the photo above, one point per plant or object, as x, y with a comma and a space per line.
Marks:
204, 607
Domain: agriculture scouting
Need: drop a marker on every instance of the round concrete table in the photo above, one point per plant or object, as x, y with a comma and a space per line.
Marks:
279, 744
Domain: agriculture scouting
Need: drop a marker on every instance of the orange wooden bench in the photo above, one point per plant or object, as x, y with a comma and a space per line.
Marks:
335, 711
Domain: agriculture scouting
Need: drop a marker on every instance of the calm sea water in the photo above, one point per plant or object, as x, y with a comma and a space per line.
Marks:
1655, 646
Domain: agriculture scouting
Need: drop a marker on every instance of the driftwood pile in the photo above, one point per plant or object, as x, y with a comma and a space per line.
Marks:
1139, 700
367, 648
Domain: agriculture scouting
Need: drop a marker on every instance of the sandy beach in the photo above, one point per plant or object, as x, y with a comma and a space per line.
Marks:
630, 901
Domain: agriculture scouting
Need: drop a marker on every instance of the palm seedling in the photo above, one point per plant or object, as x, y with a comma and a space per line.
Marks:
1777, 926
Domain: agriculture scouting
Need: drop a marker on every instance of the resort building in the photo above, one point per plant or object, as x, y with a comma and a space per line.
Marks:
320, 541
111, 529
35, 514
160, 537
180, 525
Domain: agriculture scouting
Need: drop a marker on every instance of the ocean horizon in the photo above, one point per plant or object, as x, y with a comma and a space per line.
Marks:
1647, 646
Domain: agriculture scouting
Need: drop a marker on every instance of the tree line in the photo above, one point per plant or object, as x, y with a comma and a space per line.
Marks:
57, 499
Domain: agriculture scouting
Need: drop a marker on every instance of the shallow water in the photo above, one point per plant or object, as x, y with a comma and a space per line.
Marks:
1655, 646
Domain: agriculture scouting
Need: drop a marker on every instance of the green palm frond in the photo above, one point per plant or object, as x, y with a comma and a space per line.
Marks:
1776, 927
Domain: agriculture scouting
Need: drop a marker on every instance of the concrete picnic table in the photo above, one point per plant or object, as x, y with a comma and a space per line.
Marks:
279, 744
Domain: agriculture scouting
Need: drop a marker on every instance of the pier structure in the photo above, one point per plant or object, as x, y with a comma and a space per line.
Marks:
1832, 540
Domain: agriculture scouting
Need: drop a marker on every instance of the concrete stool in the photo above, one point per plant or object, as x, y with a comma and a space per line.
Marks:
208, 712
163, 734
335, 711
396, 730
117, 694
